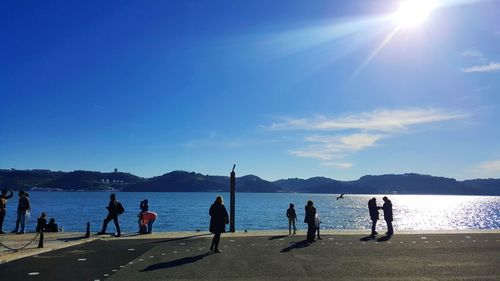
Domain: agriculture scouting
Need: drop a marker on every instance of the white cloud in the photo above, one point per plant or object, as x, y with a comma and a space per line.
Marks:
491, 67
472, 53
379, 120
485, 169
490, 166
344, 135
338, 165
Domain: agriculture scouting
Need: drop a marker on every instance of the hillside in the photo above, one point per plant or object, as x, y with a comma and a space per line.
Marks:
182, 181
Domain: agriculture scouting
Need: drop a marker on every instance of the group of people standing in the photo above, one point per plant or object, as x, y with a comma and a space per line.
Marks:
23, 207
374, 214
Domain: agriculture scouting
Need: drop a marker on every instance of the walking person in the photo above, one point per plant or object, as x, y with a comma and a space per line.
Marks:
218, 220
310, 220
23, 206
292, 217
387, 207
115, 208
374, 215
3, 206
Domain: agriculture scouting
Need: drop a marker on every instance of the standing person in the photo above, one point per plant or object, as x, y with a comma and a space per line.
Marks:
3, 206
144, 206
374, 215
218, 220
292, 217
115, 208
317, 222
309, 219
23, 206
387, 207
41, 222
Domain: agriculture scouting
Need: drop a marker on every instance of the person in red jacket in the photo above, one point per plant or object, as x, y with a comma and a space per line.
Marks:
147, 219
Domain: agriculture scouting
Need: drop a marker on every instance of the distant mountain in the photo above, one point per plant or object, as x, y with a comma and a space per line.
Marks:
76, 180
182, 181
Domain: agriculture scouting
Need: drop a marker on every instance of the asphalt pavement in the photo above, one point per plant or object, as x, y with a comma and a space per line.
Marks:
279, 257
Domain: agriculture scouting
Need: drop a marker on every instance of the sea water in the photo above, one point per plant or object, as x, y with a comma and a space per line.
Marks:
178, 211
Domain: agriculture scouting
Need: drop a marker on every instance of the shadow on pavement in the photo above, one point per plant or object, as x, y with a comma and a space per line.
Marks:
384, 238
277, 237
178, 262
367, 238
180, 238
297, 245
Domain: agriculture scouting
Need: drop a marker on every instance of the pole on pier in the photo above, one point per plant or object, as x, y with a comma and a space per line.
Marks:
40, 242
232, 199
87, 233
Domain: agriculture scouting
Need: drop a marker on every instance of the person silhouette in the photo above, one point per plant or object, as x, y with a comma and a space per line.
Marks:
41, 223
387, 207
374, 215
23, 206
113, 212
52, 226
218, 220
310, 220
3, 206
292, 217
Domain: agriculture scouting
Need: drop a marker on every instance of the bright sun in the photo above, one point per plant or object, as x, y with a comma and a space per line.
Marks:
412, 13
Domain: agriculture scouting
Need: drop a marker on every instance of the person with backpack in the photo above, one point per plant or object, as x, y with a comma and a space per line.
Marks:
115, 209
292, 217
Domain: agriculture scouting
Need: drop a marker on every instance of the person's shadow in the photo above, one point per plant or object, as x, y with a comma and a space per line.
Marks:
384, 238
174, 263
296, 245
367, 238
277, 237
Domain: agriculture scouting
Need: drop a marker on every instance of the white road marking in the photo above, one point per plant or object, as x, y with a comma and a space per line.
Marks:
423, 238
188, 250
182, 244
426, 242
141, 259
331, 238
468, 237
82, 259
438, 241
162, 254
175, 252
131, 262
106, 275
114, 270
414, 242
401, 242
33, 273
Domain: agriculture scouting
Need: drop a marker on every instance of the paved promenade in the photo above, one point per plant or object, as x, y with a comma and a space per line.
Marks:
466, 256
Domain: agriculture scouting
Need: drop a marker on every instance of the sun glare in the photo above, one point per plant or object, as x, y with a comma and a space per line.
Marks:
412, 13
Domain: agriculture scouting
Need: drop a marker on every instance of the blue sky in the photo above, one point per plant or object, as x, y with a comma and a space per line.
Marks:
281, 88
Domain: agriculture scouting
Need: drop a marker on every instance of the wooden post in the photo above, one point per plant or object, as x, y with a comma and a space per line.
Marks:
40, 242
87, 233
232, 200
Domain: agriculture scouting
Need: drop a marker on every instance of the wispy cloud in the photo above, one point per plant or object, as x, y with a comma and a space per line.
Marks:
491, 67
379, 120
484, 169
480, 61
344, 135
338, 165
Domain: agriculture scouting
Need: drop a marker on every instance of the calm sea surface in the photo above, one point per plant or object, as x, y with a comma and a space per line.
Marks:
260, 211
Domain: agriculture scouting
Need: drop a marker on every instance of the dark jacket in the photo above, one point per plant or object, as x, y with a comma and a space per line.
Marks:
218, 218
3, 200
290, 213
113, 208
41, 223
24, 204
52, 227
373, 209
310, 215
387, 210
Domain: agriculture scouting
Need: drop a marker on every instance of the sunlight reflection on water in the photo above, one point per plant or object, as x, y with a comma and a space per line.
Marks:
260, 211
